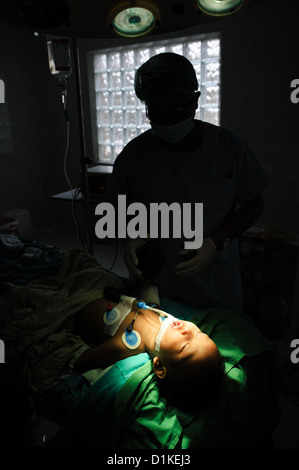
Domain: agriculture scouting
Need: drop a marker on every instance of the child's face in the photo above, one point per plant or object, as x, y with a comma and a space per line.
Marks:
185, 350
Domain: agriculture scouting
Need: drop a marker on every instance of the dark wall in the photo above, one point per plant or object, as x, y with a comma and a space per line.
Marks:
260, 57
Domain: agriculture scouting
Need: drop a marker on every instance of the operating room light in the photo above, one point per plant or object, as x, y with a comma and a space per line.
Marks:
220, 7
133, 21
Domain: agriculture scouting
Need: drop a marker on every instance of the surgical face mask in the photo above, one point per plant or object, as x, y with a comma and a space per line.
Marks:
174, 133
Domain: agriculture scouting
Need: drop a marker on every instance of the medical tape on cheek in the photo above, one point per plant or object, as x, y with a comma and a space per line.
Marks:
117, 315
165, 324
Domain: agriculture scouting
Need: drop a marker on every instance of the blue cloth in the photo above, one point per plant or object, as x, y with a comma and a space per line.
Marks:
94, 408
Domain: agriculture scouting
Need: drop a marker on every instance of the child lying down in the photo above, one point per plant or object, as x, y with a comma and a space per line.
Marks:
181, 353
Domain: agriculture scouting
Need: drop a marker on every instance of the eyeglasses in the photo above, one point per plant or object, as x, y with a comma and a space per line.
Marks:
155, 113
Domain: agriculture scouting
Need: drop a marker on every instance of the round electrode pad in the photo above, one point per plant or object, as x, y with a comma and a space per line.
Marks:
111, 316
131, 339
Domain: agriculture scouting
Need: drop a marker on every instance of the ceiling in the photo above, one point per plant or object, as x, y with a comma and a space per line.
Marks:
89, 18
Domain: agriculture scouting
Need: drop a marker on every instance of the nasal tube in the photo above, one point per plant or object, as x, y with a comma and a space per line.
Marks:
144, 306
166, 321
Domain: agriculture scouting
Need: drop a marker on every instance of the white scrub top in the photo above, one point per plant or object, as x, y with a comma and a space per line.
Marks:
220, 173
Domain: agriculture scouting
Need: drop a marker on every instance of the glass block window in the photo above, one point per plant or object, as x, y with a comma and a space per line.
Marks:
118, 115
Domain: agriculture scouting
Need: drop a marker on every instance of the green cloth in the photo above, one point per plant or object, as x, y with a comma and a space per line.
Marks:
37, 320
141, 417
148, 422
89, 422
235, 334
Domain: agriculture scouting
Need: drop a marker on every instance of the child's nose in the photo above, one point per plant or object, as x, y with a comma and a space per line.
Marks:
186, 330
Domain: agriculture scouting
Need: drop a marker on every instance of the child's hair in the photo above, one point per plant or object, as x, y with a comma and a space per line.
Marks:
201, 390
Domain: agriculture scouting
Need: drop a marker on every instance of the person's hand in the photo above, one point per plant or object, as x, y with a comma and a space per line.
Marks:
199, 262
130, 257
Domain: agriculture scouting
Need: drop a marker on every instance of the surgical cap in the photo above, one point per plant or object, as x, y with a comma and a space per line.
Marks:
165, 73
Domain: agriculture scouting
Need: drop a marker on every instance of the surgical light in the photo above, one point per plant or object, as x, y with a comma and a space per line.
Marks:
133, 19
220, 7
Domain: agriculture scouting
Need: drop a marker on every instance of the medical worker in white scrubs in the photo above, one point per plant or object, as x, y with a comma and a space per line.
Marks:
181, 159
